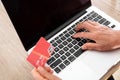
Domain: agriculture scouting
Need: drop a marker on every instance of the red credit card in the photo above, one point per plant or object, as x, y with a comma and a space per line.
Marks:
41, 53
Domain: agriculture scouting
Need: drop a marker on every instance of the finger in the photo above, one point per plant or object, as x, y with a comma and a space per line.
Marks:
48, 69
36, 75
91, 46
46, 74
84, 25
87, 35
93, 23
96, 24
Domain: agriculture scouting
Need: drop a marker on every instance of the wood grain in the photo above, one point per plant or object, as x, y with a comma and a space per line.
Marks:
13, 65
112, 8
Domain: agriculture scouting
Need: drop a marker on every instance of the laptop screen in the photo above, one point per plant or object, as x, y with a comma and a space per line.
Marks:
35, 18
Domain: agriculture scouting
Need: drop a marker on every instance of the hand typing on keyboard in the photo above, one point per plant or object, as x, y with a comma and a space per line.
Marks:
105, 38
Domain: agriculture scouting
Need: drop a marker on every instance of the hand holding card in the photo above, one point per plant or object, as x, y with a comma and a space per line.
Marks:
41, 53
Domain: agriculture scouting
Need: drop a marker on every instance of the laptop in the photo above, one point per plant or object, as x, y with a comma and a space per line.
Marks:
55, 20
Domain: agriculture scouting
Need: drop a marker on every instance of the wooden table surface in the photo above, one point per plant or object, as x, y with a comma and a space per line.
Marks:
112, 8
13, 64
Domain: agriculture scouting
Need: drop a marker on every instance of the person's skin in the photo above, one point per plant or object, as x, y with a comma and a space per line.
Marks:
43, 73
105, 39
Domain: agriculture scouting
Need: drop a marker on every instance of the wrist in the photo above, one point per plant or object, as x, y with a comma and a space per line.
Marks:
117, 39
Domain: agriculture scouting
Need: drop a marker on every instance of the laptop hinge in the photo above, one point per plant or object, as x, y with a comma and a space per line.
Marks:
65, 24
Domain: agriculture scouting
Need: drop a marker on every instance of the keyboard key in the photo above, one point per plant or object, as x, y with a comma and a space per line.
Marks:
81, 30
96, 19
71, 32
74, 42
71, 58
56, 49
102, 20
61, 52
58, 41
66, 62
65, 49
52, 41
67, 35
81, 20
57, 55
80, 43
55, 63
65, 32
78, 53
84, 40
76, 47
54, 44
62, 66
92, 12
91, 41
69, 29
90, 18
99, 17
63, 57
70, 45
60, 46
63, 38
53, 53
88, 15
77, 23
94, 15
69, 39
85, 17
52, 59
73, 26
106, 23
61, 35
78, 39
72, 50
65, 43
112, 26
57, 70
56, 38
67, 54
88, 40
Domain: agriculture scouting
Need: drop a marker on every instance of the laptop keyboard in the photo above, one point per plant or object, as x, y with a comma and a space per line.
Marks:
68, 49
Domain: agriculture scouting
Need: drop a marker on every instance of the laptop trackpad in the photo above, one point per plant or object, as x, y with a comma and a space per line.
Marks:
78, 70
91, 65
101, 62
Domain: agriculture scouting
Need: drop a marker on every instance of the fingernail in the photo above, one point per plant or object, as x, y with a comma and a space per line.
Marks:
84, 47
40, 68
73, 36
75, 29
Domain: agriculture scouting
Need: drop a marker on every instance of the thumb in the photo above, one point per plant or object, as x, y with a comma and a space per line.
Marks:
91, 46
46, 74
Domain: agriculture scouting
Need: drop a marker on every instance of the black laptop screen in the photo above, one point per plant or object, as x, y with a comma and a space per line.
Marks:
35, 18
